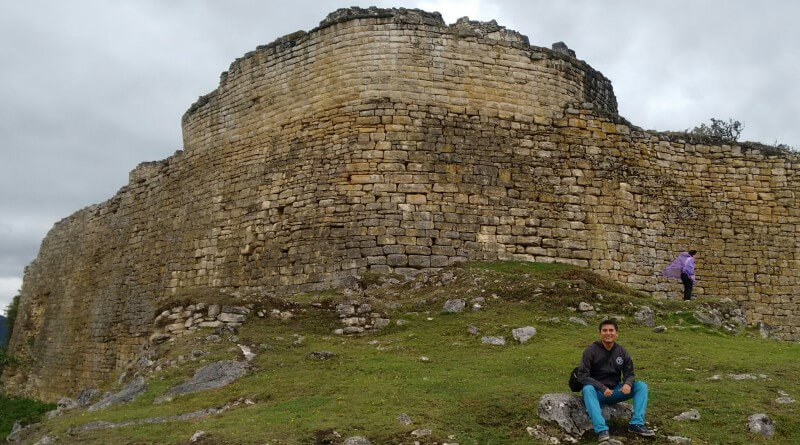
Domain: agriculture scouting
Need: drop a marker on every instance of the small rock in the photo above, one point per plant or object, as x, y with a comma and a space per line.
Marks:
404, 419
541, 435
364, 308
783, 400
454, 306
401, 322
380, 323
761, 424
226, 317
46, 440
353, 330
345, 310
473, 330
692, 414
644, 317
577, 320
494, 341
679, 439
66, 404
423, 358
583, 307
214, 310
356, 440
159, 337
659, 329
421, 432
524, 334
199, 434
246, 352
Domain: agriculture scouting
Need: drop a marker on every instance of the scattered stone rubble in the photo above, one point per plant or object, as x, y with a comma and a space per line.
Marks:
177, 321
359, 317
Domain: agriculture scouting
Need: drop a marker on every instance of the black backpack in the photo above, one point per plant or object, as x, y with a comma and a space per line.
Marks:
573, 381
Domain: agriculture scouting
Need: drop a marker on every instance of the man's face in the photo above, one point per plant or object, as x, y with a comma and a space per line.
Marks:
608, 333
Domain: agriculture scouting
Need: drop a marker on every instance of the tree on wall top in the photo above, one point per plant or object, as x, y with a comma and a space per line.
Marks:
719, 129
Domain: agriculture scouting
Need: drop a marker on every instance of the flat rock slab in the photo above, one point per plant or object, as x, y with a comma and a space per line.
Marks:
210, 376
131, 391
568, 412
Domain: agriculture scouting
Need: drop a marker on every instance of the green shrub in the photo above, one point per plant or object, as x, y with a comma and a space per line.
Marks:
20, 409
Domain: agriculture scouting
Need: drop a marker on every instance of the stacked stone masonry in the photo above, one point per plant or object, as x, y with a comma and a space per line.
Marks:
386, 141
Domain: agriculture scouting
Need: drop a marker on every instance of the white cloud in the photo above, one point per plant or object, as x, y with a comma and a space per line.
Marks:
8, 288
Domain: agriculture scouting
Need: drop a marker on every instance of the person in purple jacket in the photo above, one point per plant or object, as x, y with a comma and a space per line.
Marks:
683, 267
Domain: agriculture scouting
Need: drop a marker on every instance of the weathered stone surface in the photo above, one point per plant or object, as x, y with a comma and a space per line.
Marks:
644, 317
458, 143
454, 306
523, 334
87, 395
494, 341
679, 439
131, 391
708, 316
692, 414
357, 440
210, 376
568, 412
761, 424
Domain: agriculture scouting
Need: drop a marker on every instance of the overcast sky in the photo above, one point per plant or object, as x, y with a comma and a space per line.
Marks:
89, 89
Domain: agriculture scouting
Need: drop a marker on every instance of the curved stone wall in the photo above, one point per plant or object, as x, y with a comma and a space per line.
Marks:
386, 141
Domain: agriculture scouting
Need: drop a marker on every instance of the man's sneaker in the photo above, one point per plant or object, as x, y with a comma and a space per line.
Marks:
641, 430
603, 436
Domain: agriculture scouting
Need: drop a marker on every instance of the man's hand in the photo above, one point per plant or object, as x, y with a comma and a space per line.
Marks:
608, 392
626, 389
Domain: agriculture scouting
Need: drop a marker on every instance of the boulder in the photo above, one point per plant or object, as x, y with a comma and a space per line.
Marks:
210, 376
131, 391
708, 316
761, 424
494, 341
87, 395
644, 317
568, 412
454, 306
523, 334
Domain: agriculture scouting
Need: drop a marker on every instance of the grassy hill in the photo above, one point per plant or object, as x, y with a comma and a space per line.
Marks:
432, 369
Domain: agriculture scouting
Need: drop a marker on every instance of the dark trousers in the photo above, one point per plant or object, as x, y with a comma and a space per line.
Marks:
687, 286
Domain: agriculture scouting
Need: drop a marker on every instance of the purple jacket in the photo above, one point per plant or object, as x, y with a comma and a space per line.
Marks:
684, 263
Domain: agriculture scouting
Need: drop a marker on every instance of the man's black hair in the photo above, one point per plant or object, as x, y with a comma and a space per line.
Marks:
610, 321
692, 252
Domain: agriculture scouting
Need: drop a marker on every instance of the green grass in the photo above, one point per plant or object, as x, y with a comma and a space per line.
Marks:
476, 393
25, 410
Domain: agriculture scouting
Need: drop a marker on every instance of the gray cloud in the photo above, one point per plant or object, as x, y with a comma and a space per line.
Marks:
89, 89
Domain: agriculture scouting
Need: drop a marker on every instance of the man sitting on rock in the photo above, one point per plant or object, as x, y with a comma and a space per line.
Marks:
599, 373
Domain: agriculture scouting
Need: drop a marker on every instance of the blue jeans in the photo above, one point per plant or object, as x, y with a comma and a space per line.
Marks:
592, 398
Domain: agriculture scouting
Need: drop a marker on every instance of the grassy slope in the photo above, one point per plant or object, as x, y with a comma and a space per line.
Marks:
474, 392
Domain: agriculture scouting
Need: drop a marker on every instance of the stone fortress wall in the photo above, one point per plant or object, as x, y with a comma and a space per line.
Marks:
386, 141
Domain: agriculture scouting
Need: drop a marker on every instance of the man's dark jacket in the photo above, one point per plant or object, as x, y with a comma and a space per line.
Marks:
601, 368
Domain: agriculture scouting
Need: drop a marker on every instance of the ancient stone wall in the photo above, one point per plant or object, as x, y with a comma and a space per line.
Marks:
387, 141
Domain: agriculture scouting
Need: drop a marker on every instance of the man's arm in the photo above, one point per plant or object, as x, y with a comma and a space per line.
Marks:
584, 368
627, 369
